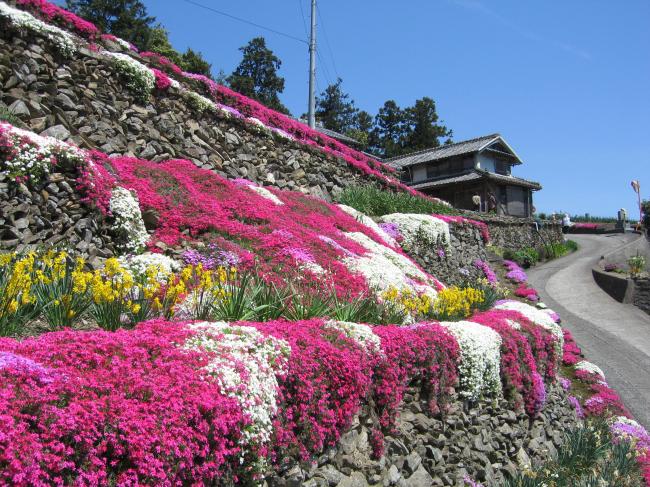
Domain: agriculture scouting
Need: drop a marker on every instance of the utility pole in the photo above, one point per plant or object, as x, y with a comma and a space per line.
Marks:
312, 68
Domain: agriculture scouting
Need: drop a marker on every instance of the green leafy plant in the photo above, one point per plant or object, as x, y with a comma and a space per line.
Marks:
17, 304
636, 264
374, 201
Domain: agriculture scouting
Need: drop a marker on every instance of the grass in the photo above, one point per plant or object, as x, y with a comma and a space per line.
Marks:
8, 116
374, 201
588, 457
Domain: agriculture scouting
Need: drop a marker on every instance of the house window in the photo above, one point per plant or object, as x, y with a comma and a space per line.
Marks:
502, 168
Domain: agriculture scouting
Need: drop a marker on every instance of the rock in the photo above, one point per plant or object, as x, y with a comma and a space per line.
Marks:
151, 219
357, 479
19, 108
420, 478
57, 131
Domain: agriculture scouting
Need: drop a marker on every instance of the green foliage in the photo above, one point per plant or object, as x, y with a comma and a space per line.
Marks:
401, 131
588, 457
17, 305
571, 245
636, 263
257, 77
336, 110
194, 62
140, 82
127, 19
645, 207
7, 116
374, 201
525, 257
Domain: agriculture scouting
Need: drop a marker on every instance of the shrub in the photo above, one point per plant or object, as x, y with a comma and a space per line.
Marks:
525, 257
374, 201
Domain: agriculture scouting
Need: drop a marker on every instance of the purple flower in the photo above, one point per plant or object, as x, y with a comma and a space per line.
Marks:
464, 272
391, 229
539, 392
243, 182
282, 233
333, 243
234, 112
301, 255
441, 253
565, 383
22, 364
515, 273
212, 259
487, 271
576, 405
471, 482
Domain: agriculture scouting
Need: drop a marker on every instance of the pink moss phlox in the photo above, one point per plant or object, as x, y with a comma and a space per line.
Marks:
112, 404
427, 353
461, 220
519, 366
523, 291
571, 354
489, 274
53, 13
95, 181
162, 80
191, 202
329, 376
515, 273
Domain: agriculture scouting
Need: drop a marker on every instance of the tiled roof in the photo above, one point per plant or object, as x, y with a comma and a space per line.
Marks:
337, 135
475, 175
444, 151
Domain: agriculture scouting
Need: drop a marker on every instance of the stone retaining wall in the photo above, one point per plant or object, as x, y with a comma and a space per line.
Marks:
516, 233
85, 101
642, 293
484, 441
456, 263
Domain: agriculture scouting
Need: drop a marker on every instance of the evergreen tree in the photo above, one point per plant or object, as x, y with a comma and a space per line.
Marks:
335, 109
390, 130
423, 131
361, 129
159, 42
127, 19
193, 62
257, 77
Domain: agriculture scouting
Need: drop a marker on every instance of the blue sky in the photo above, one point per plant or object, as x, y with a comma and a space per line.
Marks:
566, 82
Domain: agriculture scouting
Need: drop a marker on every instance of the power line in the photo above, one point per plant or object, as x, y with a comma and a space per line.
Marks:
239, 19
327, 41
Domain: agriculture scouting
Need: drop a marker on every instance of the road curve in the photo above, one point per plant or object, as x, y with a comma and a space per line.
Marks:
614, 336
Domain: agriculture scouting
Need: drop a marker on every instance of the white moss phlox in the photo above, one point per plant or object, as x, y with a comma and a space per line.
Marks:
64, 41
200, 102
265, 193
128, 219
135, 68
537, 316
480, 358
420, 228
590, 367
139, 264
33, 154
360, 333
369, 222
246, 365
384, 268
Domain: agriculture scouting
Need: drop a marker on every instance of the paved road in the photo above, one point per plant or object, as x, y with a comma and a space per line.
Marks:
614, 336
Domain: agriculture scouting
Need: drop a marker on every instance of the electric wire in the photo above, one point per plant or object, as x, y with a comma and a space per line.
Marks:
255, 24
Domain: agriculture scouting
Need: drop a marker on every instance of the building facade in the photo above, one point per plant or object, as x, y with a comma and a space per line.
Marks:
474, 174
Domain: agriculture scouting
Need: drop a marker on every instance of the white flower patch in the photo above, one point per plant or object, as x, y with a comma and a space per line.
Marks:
33, 155
312, 267
63, 40
537, 316
282, 134
257, 124
142, 77
513, 324
591, 368
420, 228
139, 264
360, 333
382, 263
199, 102
480, 358
265, 193
245, 365
128, 219
369, 222
125, 44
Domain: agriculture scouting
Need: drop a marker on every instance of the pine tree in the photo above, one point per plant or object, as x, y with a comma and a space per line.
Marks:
127, 19
335, 109
257, 77
390, 130
424, 131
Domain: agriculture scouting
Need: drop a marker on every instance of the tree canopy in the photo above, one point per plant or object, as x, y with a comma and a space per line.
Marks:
335, 109
257, 77
127, 19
